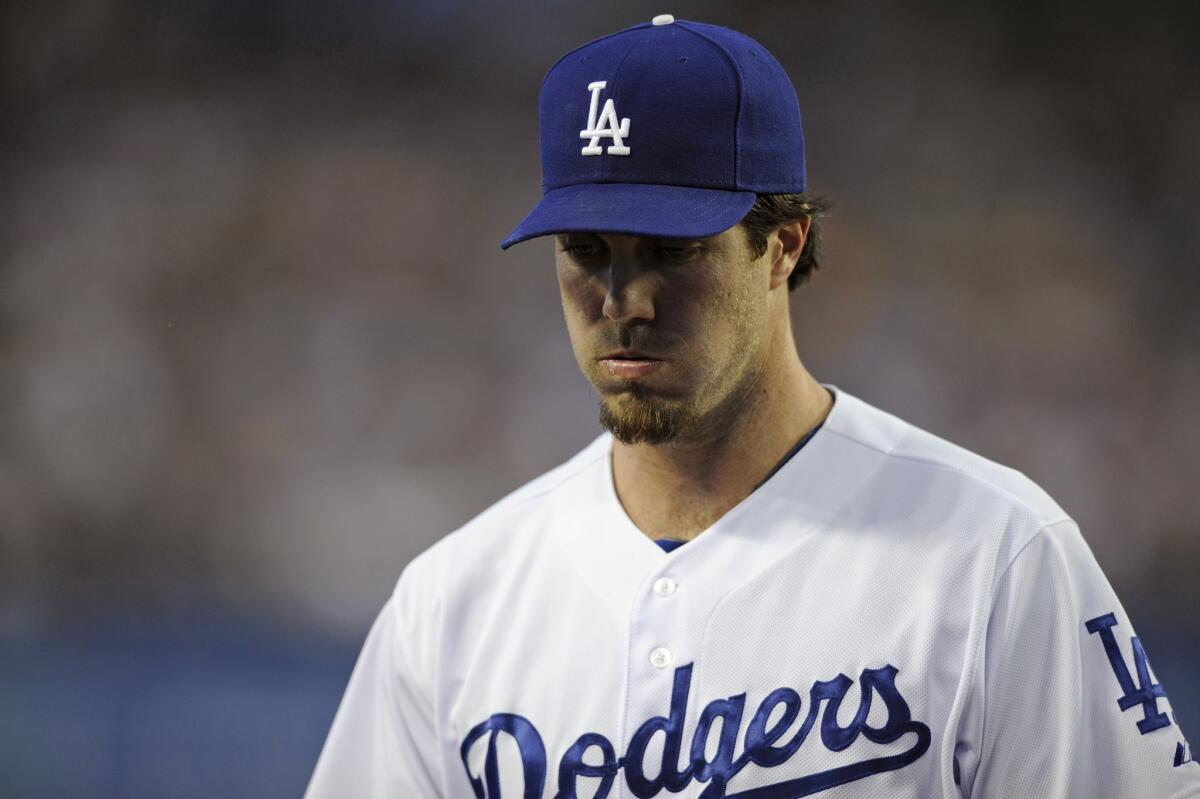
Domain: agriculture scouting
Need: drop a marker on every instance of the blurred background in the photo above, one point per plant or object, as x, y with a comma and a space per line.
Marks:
259, 347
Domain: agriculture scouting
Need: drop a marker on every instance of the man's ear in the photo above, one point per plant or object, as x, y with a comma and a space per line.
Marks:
784, 246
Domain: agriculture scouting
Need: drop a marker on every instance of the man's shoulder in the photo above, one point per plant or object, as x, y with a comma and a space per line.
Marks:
911, 456
546, 483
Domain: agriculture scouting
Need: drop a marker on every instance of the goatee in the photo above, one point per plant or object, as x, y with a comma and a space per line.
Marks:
638, 417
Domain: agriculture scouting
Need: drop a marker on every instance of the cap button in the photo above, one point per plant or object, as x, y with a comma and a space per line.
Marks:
663, 19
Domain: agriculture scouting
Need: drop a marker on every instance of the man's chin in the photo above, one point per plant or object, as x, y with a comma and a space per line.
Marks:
636, 416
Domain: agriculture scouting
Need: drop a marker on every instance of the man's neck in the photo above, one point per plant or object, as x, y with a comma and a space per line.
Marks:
680, 489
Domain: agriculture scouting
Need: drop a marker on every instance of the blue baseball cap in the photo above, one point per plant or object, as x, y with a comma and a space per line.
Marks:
669, 128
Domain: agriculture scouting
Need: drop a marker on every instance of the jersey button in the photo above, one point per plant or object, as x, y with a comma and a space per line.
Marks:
660, 658
664, 586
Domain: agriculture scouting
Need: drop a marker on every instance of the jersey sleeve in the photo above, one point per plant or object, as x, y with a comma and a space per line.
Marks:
1068, 705
382, 742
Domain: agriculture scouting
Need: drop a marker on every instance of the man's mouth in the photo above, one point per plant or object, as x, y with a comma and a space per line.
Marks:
630, 364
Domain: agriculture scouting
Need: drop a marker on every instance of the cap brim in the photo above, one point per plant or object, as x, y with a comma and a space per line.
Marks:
633, 209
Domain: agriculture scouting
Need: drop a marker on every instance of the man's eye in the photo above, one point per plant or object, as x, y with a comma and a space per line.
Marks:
677, 253
580, 250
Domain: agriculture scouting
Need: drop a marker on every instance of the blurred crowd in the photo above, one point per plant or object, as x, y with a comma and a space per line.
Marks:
259, 346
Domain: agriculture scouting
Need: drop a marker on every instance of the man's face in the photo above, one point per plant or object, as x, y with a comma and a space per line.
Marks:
670, 332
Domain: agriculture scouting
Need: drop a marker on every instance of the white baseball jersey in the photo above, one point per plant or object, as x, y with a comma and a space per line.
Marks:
887, 616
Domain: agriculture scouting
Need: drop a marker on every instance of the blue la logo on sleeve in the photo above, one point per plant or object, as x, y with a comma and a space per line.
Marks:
1145, 692
762, 743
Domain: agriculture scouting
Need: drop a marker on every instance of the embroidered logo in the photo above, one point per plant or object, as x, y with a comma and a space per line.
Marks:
765, 744
607, 125
1146, 692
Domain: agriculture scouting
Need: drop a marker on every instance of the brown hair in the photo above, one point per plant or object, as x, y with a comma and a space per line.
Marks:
772, 210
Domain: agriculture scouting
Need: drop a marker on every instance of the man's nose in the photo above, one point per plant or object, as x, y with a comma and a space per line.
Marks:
630, 292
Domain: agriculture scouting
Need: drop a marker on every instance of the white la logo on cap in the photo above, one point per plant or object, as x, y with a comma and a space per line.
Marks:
611, 128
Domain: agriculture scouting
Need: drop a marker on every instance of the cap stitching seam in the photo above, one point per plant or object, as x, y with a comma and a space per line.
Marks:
616, 97
737, 117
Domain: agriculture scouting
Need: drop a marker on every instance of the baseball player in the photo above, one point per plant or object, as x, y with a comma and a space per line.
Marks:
751, 585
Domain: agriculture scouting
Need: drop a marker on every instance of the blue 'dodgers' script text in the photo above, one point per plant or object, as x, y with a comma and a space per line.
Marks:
762, 744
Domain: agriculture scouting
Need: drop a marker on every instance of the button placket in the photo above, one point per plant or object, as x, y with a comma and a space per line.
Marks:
661, 641
660, 656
